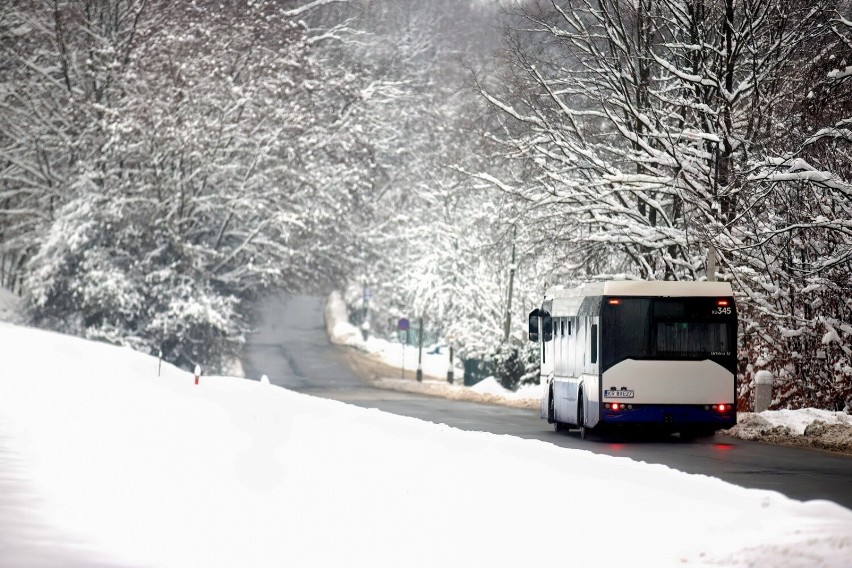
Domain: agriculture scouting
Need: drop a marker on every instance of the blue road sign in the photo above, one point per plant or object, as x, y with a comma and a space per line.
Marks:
404, 324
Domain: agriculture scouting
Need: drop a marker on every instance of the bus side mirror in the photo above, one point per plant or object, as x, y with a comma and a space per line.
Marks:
533, 327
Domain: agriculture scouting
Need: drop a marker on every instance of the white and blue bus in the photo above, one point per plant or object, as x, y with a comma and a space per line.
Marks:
630, 354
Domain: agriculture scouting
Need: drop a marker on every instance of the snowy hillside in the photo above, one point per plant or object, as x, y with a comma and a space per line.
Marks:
157, 471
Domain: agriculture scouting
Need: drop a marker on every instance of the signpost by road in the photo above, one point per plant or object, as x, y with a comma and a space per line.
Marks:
420, 351
403, 324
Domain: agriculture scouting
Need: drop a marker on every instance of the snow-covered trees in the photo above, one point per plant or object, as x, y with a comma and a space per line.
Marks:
165, 161
797, 266
161, 162
447, 246
646, 130
436, 252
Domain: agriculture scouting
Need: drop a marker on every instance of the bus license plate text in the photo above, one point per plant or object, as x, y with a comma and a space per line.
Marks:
618, 393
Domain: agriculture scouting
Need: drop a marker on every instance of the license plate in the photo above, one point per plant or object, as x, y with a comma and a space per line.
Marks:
618, 394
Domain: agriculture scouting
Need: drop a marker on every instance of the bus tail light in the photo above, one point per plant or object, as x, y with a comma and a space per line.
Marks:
721, 407
722, 303
614, 301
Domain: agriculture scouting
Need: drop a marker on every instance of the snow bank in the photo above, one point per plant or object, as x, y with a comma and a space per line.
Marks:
158, 471
808, 427
337, 325
798, 420
341, 332
525, 398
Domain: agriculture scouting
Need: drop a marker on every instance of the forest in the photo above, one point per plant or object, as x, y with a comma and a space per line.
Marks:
164, 164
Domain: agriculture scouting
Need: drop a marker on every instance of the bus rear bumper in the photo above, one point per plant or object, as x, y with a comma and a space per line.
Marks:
671, 416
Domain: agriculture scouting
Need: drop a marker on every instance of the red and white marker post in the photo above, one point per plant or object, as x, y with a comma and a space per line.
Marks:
197, 373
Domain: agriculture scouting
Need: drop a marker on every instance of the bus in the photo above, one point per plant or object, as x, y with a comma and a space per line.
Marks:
656, 355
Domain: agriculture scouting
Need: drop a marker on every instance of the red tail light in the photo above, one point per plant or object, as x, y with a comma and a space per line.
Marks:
614, 301
722, 303
619, 406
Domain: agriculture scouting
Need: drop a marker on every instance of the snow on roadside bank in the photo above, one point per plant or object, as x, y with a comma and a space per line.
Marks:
435, 365
157, 471
488, 391
805, 427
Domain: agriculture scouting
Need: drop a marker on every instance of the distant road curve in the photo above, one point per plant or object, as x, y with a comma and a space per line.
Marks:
291, 347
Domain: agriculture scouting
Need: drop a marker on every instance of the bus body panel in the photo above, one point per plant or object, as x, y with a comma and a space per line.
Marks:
565, 399
670, 382
592, 396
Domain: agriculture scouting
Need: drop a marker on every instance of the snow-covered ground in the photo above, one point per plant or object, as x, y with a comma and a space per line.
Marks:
157, 471
806, 427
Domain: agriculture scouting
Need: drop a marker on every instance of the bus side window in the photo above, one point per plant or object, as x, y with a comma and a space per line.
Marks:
594, 340
547, 327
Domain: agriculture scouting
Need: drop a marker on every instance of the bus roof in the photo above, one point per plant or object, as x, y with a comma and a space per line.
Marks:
568, 301
666, 288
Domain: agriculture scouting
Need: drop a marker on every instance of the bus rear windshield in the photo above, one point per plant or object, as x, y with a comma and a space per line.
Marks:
645, 328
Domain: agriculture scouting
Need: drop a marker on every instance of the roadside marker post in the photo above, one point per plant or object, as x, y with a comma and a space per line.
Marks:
403, 324
420, 352
197, 373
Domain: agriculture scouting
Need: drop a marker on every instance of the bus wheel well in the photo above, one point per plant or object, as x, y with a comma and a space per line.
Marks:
581, 416
580, 409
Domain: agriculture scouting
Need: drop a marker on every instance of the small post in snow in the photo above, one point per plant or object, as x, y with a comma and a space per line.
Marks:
160, 362
450, 369
197, 373
762, 390
420, 352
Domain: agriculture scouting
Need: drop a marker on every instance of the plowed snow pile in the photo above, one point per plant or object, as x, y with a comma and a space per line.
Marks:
807, 427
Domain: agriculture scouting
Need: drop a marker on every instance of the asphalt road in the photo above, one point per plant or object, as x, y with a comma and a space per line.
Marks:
292, 348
